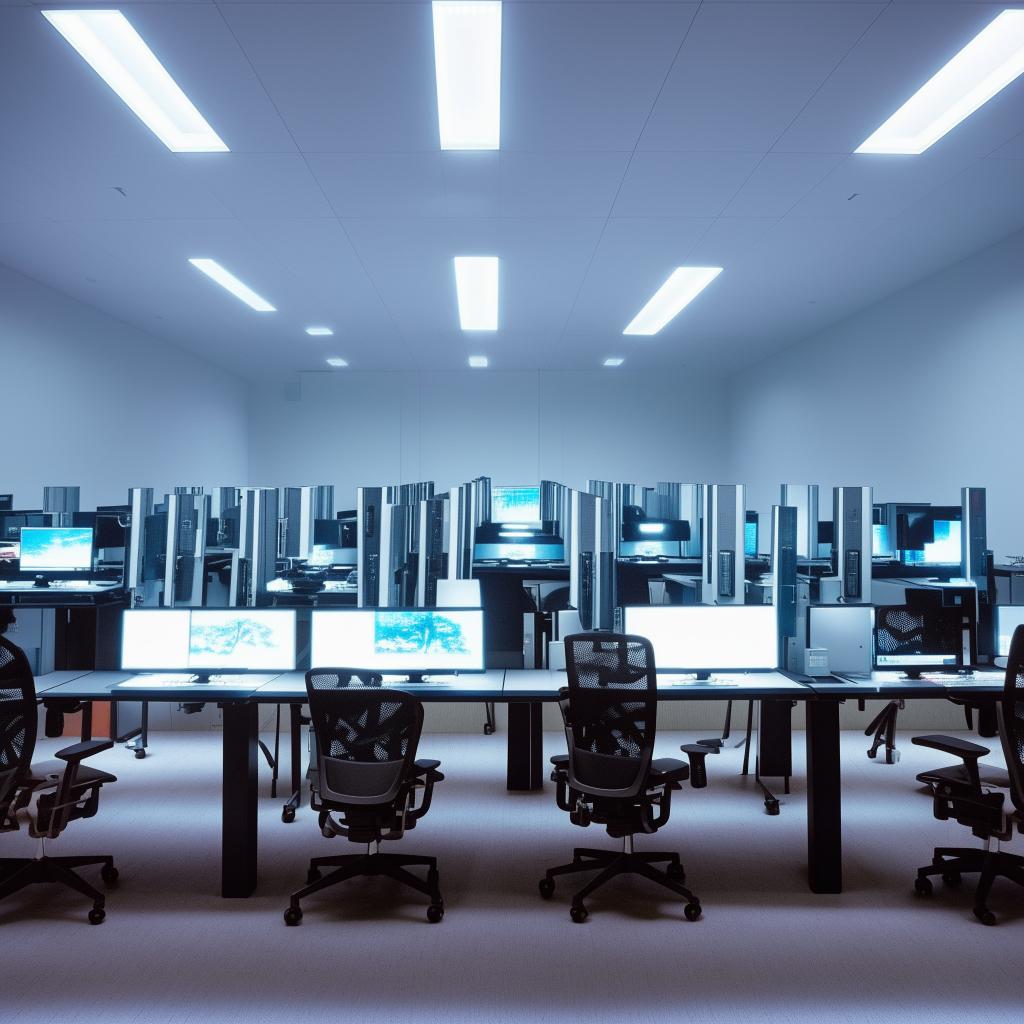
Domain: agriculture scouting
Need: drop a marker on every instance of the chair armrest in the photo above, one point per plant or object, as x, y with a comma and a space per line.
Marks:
79, 751
426, 768
951, 745
696, 755
426, 764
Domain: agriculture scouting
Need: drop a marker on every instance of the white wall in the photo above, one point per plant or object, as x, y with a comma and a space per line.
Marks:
90, 401
916, 396
362, 428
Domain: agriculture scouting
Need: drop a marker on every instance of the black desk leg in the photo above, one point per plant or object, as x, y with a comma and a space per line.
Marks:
525, 745
238, 841
824, 798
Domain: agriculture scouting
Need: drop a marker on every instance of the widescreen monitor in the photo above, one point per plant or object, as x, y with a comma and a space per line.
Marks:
845, 631
208, 640
707, 638
918, 640
944, 549
515, 505
410, 640
55, 548
1008, 618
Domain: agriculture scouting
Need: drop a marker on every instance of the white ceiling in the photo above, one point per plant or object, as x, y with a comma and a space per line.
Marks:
636, 137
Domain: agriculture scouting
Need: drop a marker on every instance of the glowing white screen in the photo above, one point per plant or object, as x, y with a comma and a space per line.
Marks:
155, 639
1009, 617
704, 638
242, 639
414, 640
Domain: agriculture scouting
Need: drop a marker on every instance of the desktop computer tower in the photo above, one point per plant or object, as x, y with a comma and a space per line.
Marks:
394, 582
62, 503
140, 505
301, 507
804, 498
462, 524
430, 536
591, 561
187, 517
257, 540
974, 536
369, 511
851, 550
723, 526
784, 540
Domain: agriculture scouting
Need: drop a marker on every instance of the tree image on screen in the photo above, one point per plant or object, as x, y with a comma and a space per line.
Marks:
222, 639
399, 633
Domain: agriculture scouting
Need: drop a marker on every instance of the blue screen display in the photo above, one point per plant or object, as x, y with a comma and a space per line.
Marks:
750, 540
515, 505
943, 550
881, 541
56, 548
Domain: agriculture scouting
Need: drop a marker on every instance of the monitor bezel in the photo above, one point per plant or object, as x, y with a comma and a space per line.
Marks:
57, 568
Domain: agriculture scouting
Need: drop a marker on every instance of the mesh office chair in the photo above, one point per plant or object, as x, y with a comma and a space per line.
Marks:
48, 795
366, 781
610, 776
962, 793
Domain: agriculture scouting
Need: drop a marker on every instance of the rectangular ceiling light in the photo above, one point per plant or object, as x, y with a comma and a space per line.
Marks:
478, 362
682, 287
212, 269
476, 284
614, 361
118, 54
467, 65
337, 362
319, 332
987, 64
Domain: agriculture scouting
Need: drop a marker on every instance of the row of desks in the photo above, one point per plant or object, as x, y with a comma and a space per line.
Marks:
525, 692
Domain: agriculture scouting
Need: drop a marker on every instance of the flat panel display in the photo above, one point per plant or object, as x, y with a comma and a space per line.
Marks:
943, 550
918, 640
409, 640
515, 504
1008, 618
701, 639
56, 548
208, 640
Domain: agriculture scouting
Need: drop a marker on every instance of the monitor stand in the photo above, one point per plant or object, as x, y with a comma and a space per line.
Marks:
703, 677
912, 673
41, 581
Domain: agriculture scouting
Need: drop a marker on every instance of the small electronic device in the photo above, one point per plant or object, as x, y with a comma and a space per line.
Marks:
56, 548
408, 640
205, 640
816, 662
1008, 618
515, 505
705, 638
845, 632
726, 573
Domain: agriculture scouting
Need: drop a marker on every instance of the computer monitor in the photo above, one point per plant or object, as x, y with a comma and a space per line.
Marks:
730, 638
750, 542
1008, 618
845, 631
943, 549
204, 640
928, 639
10, 552
56, 548
410, 640
881, 541
519, 552
515, 504
650, 549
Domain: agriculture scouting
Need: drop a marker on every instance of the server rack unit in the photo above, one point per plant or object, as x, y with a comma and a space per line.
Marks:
187, 516
369, 512
722, 544
62, 503
430, 559
804, 498
257, 540
851, 552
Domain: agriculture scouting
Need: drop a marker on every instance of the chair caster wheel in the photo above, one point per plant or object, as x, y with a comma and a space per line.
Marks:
546, 887
140, 755
892, 757
872, 754
984, 915
771, 806
292, 916
288, 815
923, 886
692, 911
676, 873
96, 915
951, 879
109, 874
435, 913
579, 914
313, 875
488, 729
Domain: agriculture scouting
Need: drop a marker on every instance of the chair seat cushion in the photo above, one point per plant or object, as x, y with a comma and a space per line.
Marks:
668, 769
957, 774
38, 774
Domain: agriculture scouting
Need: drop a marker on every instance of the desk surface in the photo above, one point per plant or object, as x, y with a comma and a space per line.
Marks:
890, 685
530, 684
290, 687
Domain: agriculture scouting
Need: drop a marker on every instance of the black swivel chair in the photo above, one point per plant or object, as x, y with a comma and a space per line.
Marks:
49, 794
964, 794
366, 781
610, 775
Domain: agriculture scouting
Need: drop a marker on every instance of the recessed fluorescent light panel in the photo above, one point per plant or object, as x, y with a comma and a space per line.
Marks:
987, 64
118, 54
467, 65
337, 362
614, 361
319, 332
212, 269
682, 287
476, 283
478, 362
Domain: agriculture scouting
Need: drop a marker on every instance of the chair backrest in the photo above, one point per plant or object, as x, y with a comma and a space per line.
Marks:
611, 719
1011, 718
18, 720
458, 594
366, 736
